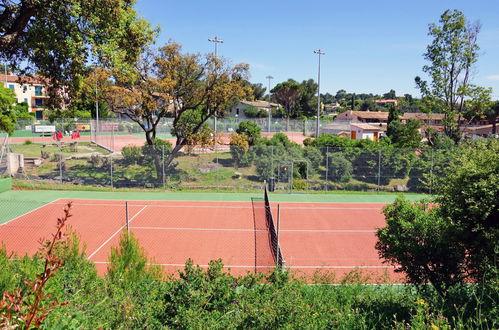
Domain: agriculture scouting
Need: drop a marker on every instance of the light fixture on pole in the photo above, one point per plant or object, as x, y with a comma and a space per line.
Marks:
269, 77
216, 41
318, 52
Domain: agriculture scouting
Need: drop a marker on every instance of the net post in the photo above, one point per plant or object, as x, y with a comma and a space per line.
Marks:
277, 232
126, 217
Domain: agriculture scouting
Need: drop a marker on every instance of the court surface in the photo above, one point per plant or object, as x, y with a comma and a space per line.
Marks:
336, 237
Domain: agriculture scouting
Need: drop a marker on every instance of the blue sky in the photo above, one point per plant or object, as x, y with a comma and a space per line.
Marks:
371, 46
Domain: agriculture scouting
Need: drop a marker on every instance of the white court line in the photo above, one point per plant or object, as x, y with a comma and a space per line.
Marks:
200, 229
229, 207
270, 266
39, 207
116, 233
252, 230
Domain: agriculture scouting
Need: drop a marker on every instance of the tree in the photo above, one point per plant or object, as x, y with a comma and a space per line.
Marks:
327, 98
491, 114
258, 91
455, 240
56, 39
451, 55
287, 93
7, 115
390, 95
308, 98
188, 87
402, 135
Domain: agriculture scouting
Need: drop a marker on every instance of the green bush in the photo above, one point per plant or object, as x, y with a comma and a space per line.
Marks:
340, 169
250, 130
254, 112
131, 154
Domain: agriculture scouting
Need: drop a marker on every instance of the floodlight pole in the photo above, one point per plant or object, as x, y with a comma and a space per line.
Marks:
269, 77
318, 52
216, 41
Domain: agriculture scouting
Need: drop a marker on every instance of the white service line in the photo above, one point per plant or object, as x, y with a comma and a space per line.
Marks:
116, 233
253, 230
201, 229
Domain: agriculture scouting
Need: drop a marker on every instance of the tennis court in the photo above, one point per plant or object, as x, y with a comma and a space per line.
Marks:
337, 237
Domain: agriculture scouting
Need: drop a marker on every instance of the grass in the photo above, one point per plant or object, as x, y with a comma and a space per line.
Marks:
35, 149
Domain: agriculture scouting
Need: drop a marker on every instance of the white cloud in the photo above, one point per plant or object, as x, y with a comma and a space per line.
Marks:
493, 77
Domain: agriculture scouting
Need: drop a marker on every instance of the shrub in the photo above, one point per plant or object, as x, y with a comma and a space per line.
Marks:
340, 169
254, 112
250, 130
308, 141
27, 142
131, 154
239, 148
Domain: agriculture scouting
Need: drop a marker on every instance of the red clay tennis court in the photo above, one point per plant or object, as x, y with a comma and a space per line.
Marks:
313, 236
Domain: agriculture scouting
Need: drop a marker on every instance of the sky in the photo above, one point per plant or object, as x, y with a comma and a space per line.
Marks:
370, 46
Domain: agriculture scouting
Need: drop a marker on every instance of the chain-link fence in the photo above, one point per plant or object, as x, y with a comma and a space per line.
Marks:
289, 168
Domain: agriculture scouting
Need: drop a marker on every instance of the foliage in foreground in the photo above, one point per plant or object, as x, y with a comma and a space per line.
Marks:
133, 295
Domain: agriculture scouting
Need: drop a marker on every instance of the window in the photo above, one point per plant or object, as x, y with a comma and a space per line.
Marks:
11, 86
38, 90
39, 115
38, 102
237, 112
25, 89
26, 100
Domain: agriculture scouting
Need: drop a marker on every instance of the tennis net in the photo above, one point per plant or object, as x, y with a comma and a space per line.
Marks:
274, 235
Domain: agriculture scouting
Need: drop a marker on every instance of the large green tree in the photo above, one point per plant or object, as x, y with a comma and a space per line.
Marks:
454, 240
452, 55
287, 93
57, 39
258, 91
166, 82
308, 98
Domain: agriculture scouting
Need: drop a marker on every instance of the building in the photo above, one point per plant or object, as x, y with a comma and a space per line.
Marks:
367, 131
382, 117
385, 103
238, 110
31, 90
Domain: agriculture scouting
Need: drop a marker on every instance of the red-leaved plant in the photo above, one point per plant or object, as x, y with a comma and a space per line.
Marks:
30, 308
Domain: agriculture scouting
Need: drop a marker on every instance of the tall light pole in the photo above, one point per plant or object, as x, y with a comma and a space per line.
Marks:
216, 41
269, 77
318, 52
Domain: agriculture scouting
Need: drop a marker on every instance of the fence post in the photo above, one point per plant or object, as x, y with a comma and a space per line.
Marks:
60, 166
379, 169
327, 169
431, 172
216, 157
111, 167
272, 163
163, 165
